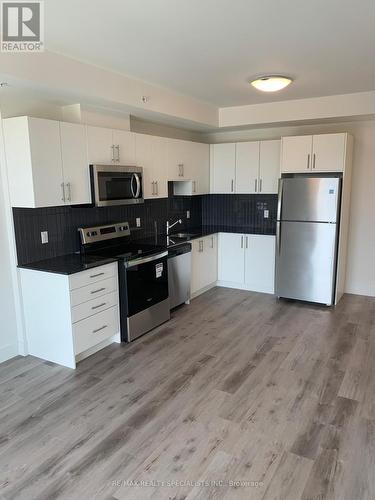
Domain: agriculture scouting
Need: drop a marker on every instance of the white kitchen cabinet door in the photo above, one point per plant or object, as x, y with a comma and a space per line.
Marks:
296, 155
269, 167
100, 147
328, 153
200, 168
260, 263
211, 259
196, 266
124, 145
247, 167
33, 152
180, 155
75, 164
223, 168
231, 257
160, 154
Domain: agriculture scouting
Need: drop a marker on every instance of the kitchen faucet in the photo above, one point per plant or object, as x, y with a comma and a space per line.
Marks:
169, 226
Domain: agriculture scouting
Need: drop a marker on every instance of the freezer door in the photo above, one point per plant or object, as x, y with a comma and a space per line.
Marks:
306, 261
314, 199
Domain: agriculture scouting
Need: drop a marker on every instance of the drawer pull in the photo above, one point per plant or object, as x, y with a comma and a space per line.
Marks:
96, 275
98, 290
100, 305
100, 329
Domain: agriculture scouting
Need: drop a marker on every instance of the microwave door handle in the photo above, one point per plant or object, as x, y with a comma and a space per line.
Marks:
138, 182
131, 186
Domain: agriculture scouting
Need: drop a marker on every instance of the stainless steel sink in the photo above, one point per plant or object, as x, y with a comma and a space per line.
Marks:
183, 235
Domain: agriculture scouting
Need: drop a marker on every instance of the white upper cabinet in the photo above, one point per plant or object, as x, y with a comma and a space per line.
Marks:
223, 167
124, 145
200, 168
107, 146
269, 166
100, 147
314, 153
179, 160
33, 153
75, 164
151, 155
247, 167
296, 153
328, 152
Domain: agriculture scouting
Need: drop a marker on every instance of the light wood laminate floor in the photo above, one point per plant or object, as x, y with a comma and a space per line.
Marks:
239, 396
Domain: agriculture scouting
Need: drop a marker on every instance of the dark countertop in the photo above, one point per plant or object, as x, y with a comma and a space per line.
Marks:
75, 263
67, 264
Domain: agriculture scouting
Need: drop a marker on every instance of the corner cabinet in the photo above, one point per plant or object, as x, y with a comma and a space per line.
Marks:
247, 261
314, 153
46, 162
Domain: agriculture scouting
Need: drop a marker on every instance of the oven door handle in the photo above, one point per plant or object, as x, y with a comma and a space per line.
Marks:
145, 260
138, 183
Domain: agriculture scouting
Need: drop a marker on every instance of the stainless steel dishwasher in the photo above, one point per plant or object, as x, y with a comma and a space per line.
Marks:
179, 274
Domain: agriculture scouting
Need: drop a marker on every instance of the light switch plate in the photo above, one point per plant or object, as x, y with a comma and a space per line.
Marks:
266, 214
44, 237
138, 222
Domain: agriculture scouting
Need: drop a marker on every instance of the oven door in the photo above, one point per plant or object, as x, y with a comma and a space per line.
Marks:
146, 282
116, 185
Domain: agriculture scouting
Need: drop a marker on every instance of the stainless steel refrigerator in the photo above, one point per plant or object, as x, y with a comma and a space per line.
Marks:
307, 238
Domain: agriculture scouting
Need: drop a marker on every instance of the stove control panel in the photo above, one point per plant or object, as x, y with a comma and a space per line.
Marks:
101, 233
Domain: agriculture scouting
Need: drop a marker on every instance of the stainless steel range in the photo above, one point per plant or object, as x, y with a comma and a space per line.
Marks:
143, 276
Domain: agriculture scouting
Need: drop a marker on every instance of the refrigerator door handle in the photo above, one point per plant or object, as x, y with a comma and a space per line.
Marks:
278, 236
280, 199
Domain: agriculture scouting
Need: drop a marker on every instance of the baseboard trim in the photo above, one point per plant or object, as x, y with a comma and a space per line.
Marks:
203, 290
7, 352
240, 286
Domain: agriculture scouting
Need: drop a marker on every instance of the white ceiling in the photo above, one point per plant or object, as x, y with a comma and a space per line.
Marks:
209, 49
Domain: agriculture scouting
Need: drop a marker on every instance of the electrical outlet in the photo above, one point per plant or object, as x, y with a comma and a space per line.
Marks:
44, 237
266, 214
188, 214
138, 222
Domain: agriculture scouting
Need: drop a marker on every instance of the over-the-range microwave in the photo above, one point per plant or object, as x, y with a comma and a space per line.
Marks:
116, 185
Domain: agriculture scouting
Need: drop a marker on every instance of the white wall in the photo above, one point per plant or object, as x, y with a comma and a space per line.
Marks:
8, 319
360, 277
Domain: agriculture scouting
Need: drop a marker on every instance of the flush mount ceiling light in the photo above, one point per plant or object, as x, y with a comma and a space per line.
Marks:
271, 83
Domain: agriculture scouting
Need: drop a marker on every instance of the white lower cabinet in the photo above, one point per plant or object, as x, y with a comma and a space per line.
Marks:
247, 261
68, 318
203, 264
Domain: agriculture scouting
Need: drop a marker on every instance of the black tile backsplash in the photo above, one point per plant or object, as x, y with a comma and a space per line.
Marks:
208, 210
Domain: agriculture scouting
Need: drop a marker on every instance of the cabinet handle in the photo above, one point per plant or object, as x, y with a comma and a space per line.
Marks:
201, 245
194, 186
247, 242
98, 290
180, 169
99, 305
314, 157
232, 186
212, 242
69, 198
256, 185
96, 275
100, 329
113, 152
63, 191
260, 185
308, 161
118, 152
153, 188
241, 241
157, 188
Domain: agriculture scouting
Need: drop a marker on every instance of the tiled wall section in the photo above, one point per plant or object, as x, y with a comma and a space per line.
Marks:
62, 222
240, 210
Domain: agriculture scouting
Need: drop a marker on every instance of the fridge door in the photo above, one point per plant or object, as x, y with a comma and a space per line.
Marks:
315, 199
306, 261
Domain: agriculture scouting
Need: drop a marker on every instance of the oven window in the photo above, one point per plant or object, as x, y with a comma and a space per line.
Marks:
118, 186
147, 284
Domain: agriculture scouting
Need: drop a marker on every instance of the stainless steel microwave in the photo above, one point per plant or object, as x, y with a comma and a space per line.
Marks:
116, 185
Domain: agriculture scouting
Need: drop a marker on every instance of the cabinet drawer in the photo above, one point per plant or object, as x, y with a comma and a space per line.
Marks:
95, 306
91, 331
93, 291
92, 275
